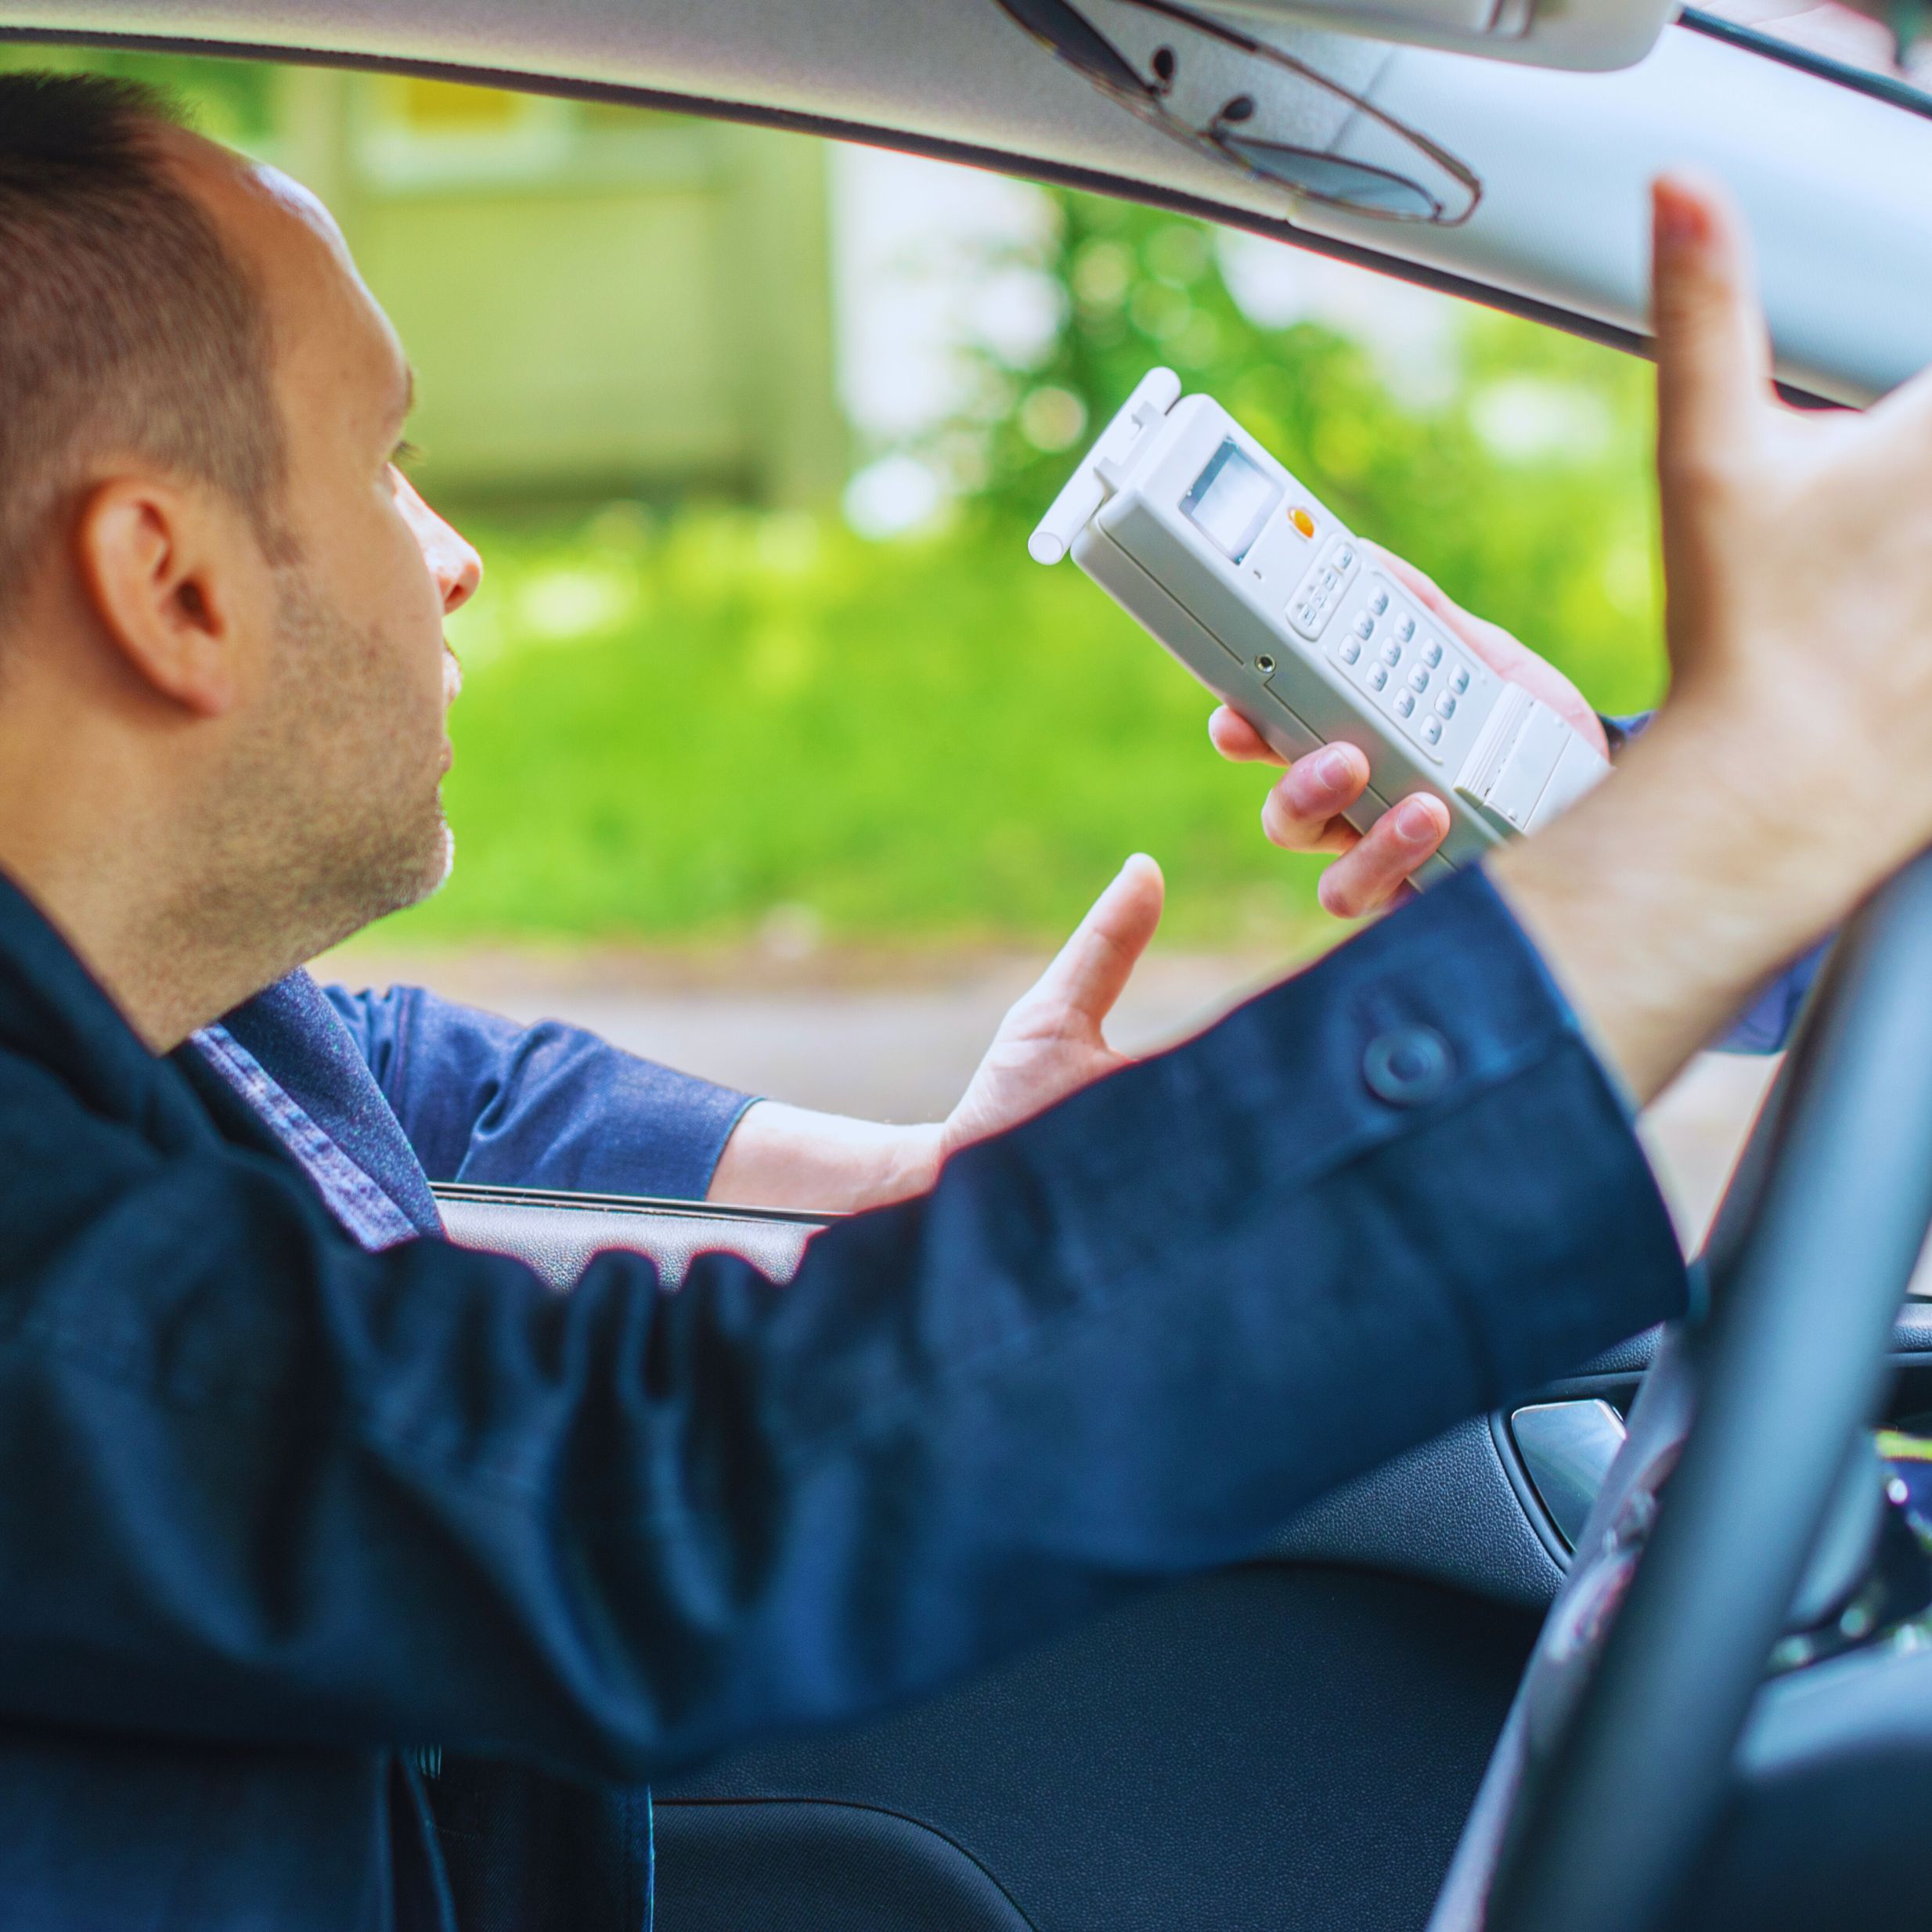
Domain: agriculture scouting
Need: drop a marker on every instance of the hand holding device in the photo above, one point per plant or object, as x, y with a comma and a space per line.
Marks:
1238, 570
1302, 811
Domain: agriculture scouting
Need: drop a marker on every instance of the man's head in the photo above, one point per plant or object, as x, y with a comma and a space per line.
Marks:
221, 606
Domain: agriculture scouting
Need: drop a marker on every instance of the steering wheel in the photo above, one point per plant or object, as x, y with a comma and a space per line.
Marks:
1613, 1767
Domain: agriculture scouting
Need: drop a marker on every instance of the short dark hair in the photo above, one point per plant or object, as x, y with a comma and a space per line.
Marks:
125, 324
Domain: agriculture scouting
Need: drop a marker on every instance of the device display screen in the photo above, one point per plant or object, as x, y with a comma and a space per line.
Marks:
1230, 500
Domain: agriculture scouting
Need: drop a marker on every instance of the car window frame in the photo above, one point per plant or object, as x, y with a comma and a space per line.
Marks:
1010, 162
1882, 87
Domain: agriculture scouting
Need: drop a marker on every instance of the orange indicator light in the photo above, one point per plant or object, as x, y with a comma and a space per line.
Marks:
1302, 520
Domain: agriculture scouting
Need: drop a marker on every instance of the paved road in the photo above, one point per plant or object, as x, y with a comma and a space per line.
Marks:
895, 1038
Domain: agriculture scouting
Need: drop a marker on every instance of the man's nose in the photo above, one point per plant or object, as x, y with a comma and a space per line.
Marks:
454, 563
451, 559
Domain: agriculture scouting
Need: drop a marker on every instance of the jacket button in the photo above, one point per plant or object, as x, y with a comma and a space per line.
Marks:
1408, 1065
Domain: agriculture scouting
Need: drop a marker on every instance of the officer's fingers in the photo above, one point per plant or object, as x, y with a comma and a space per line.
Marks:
1714, 357
1301, 811
1238, 741
1094, 965
1422, 587
1366, 879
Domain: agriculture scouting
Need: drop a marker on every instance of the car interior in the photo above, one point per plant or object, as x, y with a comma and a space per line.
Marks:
1512, 1679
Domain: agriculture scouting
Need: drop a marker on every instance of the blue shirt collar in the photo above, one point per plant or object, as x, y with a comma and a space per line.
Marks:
315, 1090
289, 1055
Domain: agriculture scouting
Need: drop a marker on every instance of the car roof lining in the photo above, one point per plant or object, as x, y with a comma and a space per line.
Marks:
1589, 328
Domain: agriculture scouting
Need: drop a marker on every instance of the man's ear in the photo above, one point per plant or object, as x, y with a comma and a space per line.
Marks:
166, 578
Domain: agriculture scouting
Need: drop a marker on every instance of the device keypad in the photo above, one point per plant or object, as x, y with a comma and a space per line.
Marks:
1415, 675
1315, 596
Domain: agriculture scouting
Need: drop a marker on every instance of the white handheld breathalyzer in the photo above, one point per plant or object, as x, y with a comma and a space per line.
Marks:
1191, 527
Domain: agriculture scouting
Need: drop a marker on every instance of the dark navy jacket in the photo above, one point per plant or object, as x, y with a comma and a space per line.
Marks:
275, 1511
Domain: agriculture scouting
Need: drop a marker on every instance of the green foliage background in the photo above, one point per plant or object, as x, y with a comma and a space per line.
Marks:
676, 720
674, 724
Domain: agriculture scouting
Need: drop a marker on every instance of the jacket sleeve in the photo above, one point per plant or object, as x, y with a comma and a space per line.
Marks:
484, 1099
258, 1484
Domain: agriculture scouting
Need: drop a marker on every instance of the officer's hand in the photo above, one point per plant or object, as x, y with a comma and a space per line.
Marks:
1051, 1043
1303, 811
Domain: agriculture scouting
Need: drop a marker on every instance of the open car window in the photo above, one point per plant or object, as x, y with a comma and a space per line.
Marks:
777, 760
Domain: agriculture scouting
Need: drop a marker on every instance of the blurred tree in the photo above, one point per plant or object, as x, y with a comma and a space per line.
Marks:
233, 100
1526, 492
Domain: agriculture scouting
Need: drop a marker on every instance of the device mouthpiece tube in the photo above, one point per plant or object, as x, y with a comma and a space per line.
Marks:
1083, 494
1094, 481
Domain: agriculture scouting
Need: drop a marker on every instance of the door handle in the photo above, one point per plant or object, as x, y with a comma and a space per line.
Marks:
1567, 1449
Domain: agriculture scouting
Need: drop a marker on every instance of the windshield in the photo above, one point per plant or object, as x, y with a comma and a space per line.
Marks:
1836, 39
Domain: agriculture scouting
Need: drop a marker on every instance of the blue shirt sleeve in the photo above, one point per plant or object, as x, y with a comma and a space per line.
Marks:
484, 1099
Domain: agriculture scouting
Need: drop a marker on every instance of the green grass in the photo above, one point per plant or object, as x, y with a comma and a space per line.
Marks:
670, 727
674, 725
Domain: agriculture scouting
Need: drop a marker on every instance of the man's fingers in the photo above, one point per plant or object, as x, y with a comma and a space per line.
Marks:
1238, 741
1301, 809
1714, 360
1368, 877
1090, 972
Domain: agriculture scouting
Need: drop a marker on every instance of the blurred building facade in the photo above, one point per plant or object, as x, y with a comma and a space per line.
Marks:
599, 302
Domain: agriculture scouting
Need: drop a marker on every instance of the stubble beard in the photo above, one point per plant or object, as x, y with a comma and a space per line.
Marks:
332, 814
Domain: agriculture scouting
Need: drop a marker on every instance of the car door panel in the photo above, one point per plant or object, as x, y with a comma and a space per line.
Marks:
1278, 1745
558, 1234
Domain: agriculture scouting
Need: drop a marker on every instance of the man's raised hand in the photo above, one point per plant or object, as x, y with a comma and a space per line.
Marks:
1790, 770
1049, 1045
1052, 1043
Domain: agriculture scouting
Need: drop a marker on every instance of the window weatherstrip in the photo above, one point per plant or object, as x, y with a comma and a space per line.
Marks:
1883, 86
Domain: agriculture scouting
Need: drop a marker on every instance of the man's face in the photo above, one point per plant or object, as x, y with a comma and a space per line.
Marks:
341, 749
